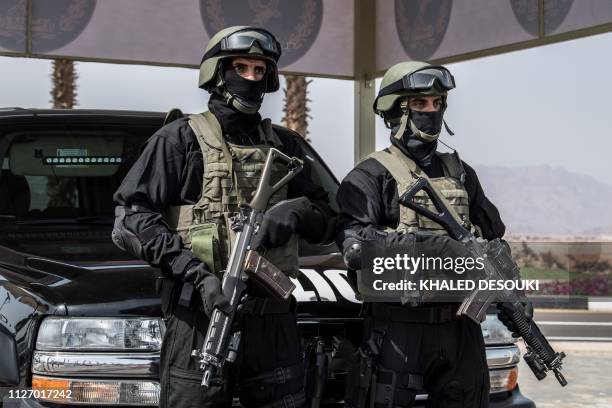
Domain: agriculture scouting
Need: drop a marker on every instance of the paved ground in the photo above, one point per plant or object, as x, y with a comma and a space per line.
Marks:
588, 369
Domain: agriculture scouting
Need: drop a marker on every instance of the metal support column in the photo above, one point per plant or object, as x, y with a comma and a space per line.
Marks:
365, 67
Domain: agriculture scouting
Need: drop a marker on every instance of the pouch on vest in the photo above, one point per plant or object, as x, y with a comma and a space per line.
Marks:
230, 177
403, 169
204, 240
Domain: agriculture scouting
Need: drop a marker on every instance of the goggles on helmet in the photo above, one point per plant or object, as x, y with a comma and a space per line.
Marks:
421, 80
243, 40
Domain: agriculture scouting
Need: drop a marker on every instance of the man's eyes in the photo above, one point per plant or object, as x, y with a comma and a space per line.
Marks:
423, 104
241, 68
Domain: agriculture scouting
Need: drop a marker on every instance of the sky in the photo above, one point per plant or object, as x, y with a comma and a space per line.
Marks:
543, 106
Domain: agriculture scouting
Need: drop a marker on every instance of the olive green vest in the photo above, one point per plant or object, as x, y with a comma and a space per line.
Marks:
230, 178
450, 187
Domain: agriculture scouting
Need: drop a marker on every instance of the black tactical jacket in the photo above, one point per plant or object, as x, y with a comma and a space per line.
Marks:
368, 197
169, 173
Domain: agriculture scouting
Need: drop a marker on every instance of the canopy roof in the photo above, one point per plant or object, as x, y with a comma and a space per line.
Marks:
333, 38
351, 39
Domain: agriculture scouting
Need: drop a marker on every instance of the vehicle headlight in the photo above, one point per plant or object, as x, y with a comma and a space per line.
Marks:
503, 380
109, 334
96, 392
494, 331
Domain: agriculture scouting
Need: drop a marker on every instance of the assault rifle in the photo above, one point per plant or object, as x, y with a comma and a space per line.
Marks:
498, 265
220, 344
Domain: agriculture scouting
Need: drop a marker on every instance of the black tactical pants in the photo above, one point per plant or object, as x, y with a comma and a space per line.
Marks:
269, 350
445, 359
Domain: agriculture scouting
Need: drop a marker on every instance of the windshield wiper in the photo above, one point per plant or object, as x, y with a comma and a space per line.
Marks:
7, 217
95, 220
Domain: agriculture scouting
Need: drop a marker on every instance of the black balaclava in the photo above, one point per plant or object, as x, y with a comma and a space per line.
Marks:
428, 122
249, 93
422, 152
422, 146
238, 127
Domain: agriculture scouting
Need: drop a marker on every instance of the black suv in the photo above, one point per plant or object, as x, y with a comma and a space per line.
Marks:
78, 314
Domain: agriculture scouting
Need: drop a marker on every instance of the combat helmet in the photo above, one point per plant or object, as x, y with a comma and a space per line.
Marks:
239, 41
413, 78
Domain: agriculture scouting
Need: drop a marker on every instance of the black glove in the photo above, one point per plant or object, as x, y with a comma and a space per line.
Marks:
424, 243
280, 222
443, 246
415, 244
504, 317
209, 287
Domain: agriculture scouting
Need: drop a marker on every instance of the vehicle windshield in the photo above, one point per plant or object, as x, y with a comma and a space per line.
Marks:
56, 190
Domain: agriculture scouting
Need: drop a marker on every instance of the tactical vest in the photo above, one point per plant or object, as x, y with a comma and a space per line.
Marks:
230, 178
403, 169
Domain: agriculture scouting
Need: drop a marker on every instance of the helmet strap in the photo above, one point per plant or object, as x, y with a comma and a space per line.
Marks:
405, 122
419, 134
402, 128
448, 130
404, 119
240, 104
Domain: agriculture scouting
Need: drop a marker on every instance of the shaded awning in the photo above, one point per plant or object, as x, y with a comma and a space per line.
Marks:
334, 38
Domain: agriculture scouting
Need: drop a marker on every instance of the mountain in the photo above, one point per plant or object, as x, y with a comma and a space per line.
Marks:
542, 200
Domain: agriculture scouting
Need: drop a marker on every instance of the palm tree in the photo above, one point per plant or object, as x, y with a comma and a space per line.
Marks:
64, 84
62, 190
296, 104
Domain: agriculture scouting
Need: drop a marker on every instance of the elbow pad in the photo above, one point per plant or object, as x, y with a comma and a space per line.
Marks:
123, 238
130, 241
352, 254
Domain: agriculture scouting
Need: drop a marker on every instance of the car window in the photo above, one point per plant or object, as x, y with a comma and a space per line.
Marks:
322, 176
57, 186
52, 176
57, 174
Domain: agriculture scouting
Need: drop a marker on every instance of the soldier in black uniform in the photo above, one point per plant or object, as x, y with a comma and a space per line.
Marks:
183, 174
415, 347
